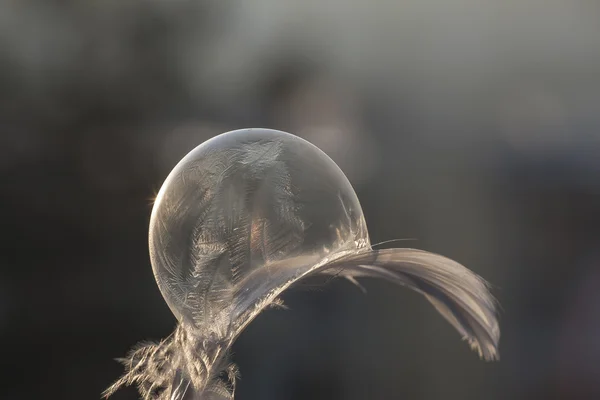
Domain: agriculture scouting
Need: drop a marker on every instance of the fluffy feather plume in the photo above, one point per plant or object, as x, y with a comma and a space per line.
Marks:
184, 367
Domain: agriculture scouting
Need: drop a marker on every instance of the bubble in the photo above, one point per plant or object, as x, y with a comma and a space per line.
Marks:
245, 211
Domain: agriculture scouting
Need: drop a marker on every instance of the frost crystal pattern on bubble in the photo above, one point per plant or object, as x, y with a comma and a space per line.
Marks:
243, 217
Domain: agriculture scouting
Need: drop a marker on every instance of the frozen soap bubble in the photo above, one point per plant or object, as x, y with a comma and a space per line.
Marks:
248, 214
242, 214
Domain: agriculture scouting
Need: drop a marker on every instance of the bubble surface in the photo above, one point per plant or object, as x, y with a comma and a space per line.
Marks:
244, 213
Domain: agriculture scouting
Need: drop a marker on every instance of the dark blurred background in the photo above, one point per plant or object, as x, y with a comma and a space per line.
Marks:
470, 126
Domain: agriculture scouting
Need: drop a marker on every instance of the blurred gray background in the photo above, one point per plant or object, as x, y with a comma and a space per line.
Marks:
470, 126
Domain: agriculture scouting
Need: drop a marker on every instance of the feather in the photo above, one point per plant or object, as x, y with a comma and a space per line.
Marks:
458, 294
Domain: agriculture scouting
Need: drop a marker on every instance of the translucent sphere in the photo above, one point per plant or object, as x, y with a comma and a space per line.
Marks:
243, 214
